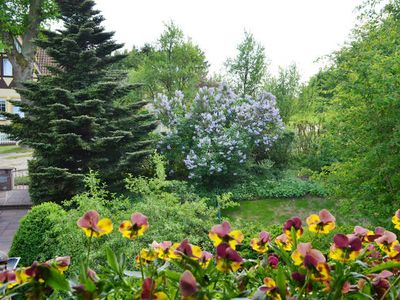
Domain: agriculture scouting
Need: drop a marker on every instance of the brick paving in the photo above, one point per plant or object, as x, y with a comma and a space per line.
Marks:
9, 223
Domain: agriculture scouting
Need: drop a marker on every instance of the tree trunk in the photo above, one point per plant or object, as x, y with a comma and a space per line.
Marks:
22, 58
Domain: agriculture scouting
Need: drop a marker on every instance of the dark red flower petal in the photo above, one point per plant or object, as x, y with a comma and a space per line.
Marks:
310, 261
187, 284
89, 219
221, 250
148, 287
233, 255
139, 219
341, 240
222, 229
298, 277
355, 244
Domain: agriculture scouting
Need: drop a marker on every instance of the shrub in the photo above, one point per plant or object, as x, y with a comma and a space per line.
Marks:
217, 133
258, 187
280, 151
172, 217
32, 240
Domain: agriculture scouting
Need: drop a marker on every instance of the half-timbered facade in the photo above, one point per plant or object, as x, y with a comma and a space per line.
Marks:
7, 84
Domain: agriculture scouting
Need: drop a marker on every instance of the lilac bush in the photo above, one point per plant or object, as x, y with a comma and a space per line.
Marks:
217, 132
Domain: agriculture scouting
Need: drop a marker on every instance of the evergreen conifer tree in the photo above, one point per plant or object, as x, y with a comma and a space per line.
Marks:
72, 119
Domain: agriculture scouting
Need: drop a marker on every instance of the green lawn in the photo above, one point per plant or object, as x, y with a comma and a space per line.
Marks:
13, 149
19, 156
277, 211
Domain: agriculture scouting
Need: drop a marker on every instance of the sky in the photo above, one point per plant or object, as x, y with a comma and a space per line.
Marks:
292, 31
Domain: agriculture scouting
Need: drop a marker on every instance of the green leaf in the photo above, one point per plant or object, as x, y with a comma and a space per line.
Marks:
172, 275
56, 280
112, 260
384, 266
280, 281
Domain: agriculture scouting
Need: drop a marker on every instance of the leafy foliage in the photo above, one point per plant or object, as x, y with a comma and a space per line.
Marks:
362, 117
248, 69
258, 187
286, 88
33, 239
218, 133
71, 120
300, 263
172, 63
174, 213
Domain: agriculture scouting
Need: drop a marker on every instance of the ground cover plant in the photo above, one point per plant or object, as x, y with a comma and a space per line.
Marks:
362, 264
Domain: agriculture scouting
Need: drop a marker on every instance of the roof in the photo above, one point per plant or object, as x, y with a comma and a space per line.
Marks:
42, 61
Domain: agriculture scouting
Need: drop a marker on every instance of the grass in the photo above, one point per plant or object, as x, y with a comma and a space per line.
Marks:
21, 180
18, 156
277, 211
13, 149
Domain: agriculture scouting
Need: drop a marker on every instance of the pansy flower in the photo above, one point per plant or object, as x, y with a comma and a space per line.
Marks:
222, 233
146, 256
92, 226
261, 244
135, 227
299, 277
61, 263
363, 234
149, 291
324, 222
9, 278
396, 220
388, 243
294, 223
205, 259
312, 260
270, 289
273, 260
377, 233
345, 248
21, 276
188, 250
306, 255
284, 242
228, 259
88, 290
380, 283
164, 250
188, 287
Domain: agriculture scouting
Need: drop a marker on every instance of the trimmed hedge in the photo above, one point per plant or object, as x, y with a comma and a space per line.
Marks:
31, 241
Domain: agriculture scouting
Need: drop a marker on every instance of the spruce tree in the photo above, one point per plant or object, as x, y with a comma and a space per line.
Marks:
72, 119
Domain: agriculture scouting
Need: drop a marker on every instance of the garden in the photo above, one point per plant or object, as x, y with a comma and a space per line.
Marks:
152, 179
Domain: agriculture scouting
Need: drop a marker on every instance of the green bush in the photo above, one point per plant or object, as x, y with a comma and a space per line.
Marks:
264, 187
32, 240
279, 154
171, 217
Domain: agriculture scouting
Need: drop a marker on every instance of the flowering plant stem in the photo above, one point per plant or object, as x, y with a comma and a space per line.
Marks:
89, 247
304, 286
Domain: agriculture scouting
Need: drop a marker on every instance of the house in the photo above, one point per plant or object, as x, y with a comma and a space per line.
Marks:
7, 84
8, 93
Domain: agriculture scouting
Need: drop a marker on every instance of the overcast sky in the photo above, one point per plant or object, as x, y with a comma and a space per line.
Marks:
297, 31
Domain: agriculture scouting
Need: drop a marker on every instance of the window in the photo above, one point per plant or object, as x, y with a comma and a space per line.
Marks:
2, 108
2, 105
17, 110
7, 68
